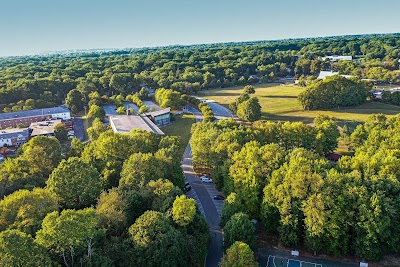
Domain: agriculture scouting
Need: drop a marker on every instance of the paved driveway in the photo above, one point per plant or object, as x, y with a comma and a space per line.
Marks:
211, 208
221, 112
79, 130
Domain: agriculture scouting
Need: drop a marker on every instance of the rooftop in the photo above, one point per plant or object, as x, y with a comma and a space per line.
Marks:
32, 113
159, 112
43, 127
323, 74
10, 133
125, 123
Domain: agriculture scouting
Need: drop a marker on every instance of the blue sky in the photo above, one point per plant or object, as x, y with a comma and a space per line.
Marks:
34, 26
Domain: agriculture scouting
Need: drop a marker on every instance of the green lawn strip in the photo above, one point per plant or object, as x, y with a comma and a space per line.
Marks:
181, 127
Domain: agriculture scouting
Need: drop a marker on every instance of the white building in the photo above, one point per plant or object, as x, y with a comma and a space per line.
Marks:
323, 74
337, 58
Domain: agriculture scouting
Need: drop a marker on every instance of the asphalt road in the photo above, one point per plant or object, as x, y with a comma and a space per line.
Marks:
211, 209
79, 129
221, 112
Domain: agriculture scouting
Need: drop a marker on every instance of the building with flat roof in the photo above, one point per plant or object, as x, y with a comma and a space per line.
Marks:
43, 128
26, 117
160, 117
14, 137
126, 123
323, 74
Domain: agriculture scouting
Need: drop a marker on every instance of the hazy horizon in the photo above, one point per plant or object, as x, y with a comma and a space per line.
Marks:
45, 26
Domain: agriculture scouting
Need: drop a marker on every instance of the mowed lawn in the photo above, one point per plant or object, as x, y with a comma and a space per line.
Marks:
181, 127
279, 103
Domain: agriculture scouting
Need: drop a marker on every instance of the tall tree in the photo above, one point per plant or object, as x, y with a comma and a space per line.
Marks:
61, 132
111, 209
74, 100
239, 228
96, 112
183, 210
249, 110
24, 210
239, 255
157, 241
20, 249
75, 183
71, 234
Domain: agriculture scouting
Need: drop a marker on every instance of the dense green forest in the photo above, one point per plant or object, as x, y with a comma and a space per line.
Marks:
276, 172
43, 81
116, 201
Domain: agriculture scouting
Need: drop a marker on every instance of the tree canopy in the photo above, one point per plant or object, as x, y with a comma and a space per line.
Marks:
334, 92
75, 183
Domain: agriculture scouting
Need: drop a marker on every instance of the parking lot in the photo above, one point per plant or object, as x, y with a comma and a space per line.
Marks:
212, 192
112, 109
151, 104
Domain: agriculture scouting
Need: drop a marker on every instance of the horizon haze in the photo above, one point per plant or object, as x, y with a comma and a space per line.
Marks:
46, 26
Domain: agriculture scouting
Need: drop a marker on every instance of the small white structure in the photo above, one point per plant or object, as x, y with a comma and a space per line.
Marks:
323, 74
337, 58
363, 264
295, 253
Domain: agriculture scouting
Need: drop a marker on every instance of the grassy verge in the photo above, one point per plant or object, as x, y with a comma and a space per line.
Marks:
181, 127
279, 103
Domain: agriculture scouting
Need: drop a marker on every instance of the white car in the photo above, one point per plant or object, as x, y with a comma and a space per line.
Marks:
205, 179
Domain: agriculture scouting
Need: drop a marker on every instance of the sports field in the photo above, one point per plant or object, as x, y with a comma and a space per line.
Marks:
275, 261
279, 102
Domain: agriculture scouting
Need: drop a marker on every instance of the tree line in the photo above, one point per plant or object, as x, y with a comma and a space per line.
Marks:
277, 173
44, 81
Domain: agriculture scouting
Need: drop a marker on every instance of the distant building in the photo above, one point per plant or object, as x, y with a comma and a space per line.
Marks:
160, 117
43, 128
126, 123
14, 137
323, 74
337, 58
26, 117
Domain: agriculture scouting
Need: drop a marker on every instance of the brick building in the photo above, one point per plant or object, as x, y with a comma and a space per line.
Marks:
12, 119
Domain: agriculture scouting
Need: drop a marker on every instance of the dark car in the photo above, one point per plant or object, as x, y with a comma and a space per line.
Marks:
219, 197
187, 187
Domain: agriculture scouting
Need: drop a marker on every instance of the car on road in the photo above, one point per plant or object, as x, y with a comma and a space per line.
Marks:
206, 179
187, 187
219, 197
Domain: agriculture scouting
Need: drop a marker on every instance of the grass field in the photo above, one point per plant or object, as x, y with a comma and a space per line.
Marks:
279, 103
181, 127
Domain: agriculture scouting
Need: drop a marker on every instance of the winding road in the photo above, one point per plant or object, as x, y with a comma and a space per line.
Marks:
203, 193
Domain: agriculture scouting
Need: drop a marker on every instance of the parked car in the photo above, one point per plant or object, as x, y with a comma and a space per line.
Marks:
205, 179
219, 197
